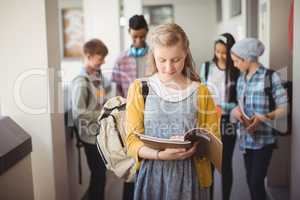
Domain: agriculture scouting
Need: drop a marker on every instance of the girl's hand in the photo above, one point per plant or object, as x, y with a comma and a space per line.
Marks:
177, 153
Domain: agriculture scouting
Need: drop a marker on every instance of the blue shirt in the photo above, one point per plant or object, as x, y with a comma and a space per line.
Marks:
255, 101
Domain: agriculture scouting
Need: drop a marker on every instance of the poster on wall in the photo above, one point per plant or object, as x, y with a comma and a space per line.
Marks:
72, 32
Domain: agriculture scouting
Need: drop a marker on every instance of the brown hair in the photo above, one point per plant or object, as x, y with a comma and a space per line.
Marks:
168, 35
95, 47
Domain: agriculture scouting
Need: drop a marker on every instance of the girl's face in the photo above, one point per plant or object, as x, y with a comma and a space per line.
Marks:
221, 52
241, 64
170, 61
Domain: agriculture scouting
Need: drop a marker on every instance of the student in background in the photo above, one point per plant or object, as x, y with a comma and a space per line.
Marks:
257, 140
88, 96
220, 76
131, 64
176, 102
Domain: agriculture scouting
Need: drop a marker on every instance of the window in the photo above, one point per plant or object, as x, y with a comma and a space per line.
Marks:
236, 8
219, 10
156, 15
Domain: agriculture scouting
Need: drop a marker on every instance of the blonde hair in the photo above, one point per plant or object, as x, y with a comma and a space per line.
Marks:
168, 35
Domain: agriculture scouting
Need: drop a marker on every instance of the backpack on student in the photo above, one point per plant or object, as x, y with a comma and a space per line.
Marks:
206, 70
71, 127
281, 126
111, 139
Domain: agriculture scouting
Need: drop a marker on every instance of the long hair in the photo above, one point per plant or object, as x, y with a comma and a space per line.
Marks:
231, 72
168, 35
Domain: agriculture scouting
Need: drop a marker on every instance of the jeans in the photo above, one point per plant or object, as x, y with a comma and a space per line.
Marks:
257, 163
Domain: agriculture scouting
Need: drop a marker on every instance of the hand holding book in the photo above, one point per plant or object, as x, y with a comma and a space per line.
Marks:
177, 153
185, 140
208, 145
240, 115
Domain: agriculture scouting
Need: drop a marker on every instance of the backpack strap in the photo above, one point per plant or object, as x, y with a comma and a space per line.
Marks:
88, 97
79, 144
269, 89
268, 92
206, 70
107, 111
145, 89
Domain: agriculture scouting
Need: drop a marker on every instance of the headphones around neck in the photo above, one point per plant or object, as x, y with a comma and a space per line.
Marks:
138, 52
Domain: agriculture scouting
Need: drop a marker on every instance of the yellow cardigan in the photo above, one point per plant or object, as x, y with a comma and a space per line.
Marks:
207, 117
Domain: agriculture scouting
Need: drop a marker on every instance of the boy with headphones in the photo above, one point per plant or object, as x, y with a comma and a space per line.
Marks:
131, 64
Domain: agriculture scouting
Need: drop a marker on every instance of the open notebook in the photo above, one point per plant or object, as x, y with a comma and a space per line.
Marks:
209, 145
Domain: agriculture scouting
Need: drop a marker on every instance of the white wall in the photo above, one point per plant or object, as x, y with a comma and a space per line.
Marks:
235, 25
273, 32
295, 162
280, 57
28, 60
102, 20
197, 18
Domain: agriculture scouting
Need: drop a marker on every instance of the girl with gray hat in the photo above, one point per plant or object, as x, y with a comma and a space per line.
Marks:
256, 137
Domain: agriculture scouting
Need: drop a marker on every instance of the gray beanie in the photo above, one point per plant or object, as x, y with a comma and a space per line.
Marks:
248, 49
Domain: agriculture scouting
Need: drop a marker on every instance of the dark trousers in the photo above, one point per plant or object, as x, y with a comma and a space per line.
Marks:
98, 172
128, 191
228, 136
257, 163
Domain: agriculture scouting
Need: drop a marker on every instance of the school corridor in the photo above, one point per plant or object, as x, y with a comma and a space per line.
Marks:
40, 54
